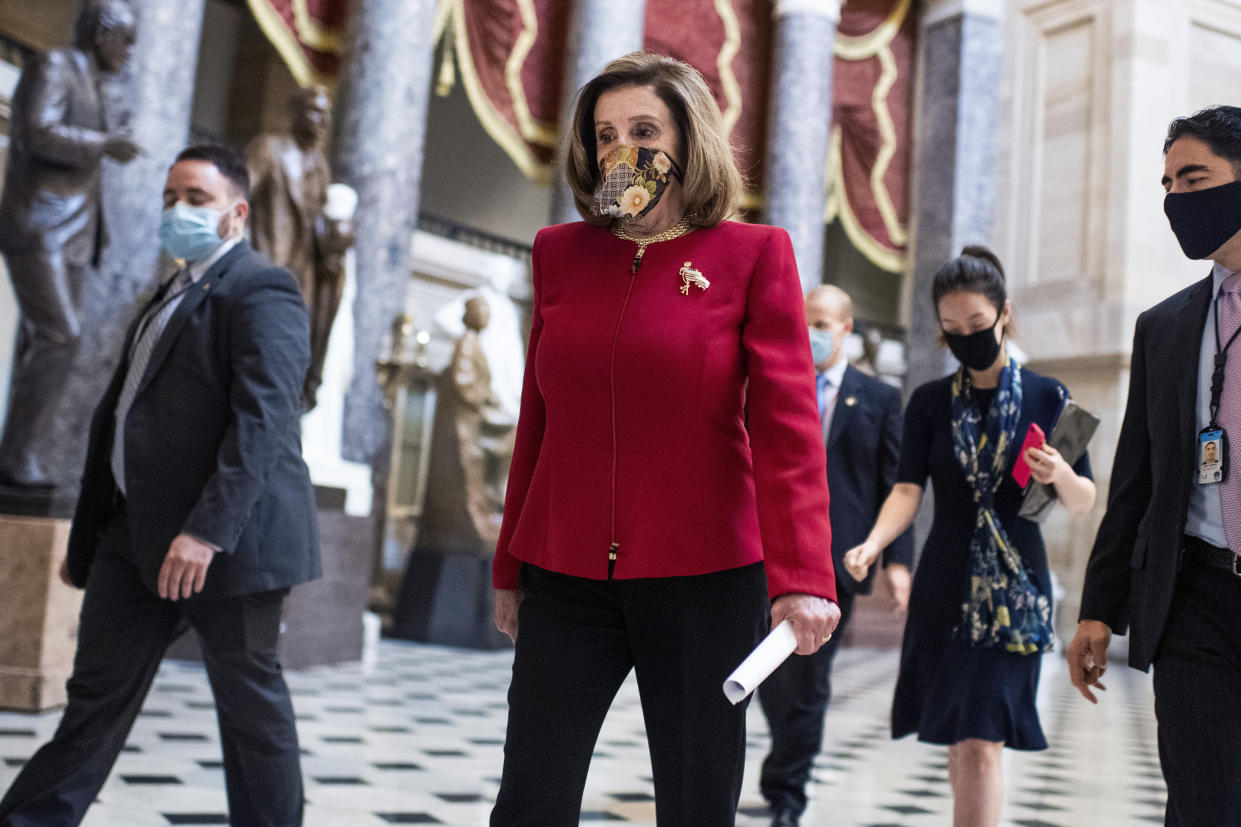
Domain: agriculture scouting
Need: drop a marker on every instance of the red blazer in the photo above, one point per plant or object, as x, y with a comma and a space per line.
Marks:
634, 457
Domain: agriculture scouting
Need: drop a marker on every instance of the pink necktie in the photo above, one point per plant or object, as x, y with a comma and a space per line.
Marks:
1230, 409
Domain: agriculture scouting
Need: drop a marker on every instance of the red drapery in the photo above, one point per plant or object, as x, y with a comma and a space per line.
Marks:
309, 34
509, 55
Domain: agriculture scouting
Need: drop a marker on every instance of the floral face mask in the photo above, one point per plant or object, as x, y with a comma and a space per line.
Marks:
631, 181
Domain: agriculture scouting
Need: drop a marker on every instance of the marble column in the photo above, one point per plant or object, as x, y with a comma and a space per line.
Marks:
799, 127
151, 98
381, 116
600, 31
954, 193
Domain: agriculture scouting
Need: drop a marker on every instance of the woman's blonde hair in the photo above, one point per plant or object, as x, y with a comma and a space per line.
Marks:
712, 184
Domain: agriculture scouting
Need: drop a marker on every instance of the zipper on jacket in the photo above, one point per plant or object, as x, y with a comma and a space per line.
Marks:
614, 546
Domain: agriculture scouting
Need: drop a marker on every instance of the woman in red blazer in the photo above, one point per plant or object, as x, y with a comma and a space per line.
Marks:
668, 476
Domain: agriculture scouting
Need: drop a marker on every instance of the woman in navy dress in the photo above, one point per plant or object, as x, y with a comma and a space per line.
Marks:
980, 608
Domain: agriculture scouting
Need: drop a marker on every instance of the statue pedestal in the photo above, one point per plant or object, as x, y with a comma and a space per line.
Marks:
38, 613
447, 599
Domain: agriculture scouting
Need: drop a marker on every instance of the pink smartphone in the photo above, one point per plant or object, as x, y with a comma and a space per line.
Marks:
1034, 439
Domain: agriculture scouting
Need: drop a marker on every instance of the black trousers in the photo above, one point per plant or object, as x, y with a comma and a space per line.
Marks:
577, 640
795, 699
123, 632
1198, 699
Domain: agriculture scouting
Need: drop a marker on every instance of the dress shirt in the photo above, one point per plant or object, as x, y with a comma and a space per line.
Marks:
828, 383
1205, 518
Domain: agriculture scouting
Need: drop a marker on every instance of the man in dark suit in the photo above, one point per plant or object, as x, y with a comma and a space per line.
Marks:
861, 419
196, 510
51, 225
1165, 563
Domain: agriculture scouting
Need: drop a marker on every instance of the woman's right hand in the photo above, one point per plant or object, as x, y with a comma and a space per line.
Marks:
507, 601
859, 559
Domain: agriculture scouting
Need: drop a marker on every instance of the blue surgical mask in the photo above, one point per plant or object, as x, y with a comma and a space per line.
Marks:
821, 345
188, 232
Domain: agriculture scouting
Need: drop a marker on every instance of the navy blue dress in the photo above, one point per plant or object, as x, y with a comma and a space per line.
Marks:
948, 691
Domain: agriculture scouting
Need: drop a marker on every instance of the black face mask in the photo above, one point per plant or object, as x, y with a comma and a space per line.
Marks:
1203, 221
976, 350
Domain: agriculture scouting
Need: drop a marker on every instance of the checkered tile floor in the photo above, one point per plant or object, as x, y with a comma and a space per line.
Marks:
416, 739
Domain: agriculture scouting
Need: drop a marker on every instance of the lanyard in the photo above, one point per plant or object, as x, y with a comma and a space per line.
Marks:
1221, 359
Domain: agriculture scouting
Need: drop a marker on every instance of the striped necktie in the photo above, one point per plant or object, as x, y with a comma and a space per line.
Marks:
1229, 309
147, 336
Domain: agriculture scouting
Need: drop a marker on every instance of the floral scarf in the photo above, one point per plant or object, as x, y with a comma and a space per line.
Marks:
1004, 608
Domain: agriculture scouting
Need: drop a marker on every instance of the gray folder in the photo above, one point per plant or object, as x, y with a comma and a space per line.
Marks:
1070, 436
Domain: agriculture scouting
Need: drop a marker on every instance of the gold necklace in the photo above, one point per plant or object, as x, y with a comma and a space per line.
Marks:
675, 231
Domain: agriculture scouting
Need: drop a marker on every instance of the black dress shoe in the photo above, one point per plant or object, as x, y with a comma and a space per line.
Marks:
785, 817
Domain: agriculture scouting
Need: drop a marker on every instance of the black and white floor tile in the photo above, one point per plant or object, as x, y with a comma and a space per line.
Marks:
416, 739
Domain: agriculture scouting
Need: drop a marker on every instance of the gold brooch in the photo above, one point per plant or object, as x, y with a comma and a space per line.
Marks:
692, 275
850, 401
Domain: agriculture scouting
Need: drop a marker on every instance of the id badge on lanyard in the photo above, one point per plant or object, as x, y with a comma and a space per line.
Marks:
1213, 440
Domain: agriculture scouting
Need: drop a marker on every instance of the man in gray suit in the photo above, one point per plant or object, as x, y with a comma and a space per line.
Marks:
51, 227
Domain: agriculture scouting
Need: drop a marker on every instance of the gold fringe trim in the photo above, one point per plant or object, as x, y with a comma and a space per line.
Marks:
860, 47
887, 150
876, 44
838, 206
543, 134
443, 11
287, 46
446, 79
313, 33
500, 130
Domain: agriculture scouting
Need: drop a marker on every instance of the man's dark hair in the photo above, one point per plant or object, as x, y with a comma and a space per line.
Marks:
101, 14
230, 163
1219, 127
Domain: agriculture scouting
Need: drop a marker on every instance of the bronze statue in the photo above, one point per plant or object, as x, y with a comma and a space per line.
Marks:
461, 512
51, 221
289, 180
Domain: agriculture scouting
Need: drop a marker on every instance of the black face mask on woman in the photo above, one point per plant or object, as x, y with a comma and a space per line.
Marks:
1204, 220
977, 350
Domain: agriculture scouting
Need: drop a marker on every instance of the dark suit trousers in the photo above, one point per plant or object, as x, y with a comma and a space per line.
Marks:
122, 636
795, 699
1198, 699
577, 641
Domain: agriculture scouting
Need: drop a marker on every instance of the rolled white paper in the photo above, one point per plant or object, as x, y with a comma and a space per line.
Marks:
760, 663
